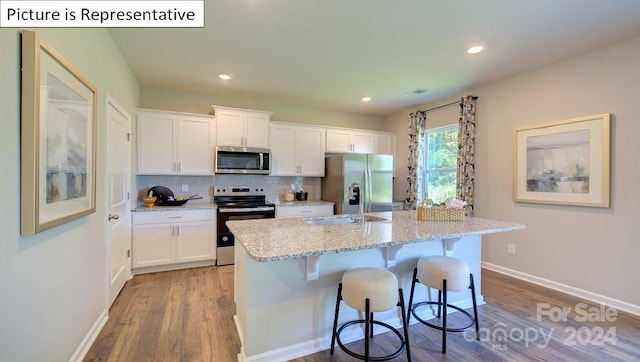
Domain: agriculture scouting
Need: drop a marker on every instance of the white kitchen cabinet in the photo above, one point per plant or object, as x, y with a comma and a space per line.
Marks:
303, 210
350, 141
171, 143
385, 144
241, 127
173, 237
296, 150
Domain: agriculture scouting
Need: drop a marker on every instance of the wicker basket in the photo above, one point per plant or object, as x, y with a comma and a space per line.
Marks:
440, 214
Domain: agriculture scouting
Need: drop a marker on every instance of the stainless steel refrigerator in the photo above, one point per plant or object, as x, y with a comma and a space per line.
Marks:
351, 178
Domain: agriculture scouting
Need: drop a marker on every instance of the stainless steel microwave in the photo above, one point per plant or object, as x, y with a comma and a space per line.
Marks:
243, 160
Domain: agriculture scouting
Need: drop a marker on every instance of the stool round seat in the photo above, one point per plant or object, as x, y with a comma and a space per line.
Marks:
433, 269
446, 274
379, 285
370, 290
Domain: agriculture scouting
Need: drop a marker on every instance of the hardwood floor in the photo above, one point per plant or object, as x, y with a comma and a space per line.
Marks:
187, 315
183, 315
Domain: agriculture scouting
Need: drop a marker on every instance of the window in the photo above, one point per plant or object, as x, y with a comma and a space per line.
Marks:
440, 163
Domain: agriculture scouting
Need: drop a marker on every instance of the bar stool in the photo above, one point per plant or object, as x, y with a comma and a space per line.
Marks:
446, 274
370, 290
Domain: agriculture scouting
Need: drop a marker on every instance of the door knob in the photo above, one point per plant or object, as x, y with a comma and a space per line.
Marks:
113, 217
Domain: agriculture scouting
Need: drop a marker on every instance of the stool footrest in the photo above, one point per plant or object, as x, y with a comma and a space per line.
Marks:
432, 325
371, 358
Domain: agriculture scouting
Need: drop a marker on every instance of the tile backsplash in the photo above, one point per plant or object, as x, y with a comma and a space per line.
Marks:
275, 187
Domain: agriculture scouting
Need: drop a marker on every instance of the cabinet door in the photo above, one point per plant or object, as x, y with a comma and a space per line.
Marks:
338, 141
283, 150
310, 151
363, 143
230, 128
156, 144
195, 241
153, 244
385, 144
194, 151
257, 130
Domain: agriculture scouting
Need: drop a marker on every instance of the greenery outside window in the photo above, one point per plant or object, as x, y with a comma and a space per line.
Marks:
440, 163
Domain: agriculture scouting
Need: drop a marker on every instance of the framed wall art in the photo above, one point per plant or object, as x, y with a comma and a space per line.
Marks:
58, 146
564, 162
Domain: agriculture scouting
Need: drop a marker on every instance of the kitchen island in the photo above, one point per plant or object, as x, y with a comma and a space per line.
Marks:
287, 272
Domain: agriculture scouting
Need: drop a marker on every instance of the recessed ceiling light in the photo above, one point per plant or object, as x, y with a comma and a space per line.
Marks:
366, 99
224, 76
475, 49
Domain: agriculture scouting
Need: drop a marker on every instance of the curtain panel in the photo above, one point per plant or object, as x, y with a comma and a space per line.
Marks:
466, 152
417, 125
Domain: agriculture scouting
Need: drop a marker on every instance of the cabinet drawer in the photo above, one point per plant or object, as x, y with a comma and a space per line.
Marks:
173, 216
304, 211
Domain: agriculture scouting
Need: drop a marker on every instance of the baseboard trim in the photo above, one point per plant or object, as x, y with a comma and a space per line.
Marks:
170, 267
567, 289
323, 343
90, 337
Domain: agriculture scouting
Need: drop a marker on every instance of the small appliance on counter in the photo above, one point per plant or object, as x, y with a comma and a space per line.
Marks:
301, 196
165, 197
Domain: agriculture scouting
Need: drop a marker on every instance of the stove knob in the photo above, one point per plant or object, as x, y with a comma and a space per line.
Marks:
225, 238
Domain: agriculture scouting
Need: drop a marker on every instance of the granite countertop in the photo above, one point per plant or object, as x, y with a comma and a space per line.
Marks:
187, 206
281, 239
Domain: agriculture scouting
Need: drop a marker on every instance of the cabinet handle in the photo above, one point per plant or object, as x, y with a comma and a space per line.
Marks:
113, 217
177, 230
175, 217
178, 168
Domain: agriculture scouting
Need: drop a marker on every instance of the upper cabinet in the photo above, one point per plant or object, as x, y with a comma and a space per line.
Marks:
172, 143
350, 141
385, 143
360, 141
242, 127
296, 150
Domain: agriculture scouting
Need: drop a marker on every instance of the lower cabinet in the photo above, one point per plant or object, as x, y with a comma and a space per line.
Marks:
304, 211
173, 238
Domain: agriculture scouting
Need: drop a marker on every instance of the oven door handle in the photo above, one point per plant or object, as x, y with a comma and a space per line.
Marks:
245, 209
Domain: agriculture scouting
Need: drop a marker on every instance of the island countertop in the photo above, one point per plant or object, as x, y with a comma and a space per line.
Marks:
281, 239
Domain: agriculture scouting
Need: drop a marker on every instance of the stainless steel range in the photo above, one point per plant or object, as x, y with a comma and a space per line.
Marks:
237, 203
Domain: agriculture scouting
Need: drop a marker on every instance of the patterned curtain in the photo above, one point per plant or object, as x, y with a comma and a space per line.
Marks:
466, 150
417, 125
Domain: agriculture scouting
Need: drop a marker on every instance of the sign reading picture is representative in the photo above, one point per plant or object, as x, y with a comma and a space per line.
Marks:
58, 106
564, 162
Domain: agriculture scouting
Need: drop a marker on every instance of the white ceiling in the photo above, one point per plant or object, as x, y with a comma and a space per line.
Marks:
331, 53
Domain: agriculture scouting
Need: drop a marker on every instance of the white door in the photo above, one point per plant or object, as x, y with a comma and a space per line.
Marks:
119, 220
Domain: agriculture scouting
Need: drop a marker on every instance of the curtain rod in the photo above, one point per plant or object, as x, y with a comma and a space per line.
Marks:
444, 105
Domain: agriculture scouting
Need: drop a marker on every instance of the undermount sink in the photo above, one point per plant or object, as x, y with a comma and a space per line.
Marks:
341, 219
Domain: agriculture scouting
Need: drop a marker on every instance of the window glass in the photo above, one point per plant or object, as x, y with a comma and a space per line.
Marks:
440, 163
